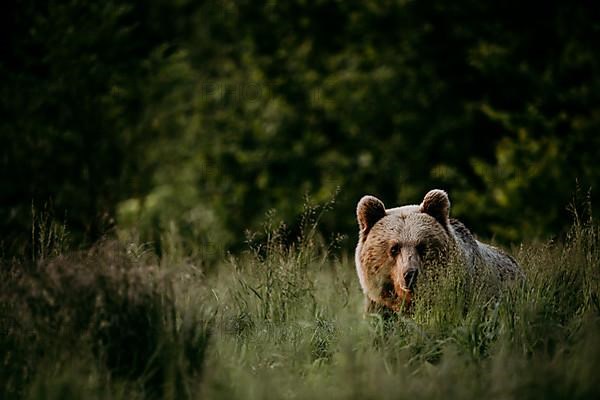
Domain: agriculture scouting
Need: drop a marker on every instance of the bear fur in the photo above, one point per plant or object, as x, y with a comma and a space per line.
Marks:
396, 245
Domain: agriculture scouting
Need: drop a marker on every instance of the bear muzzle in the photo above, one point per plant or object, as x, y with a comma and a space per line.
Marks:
397, 293
394, 296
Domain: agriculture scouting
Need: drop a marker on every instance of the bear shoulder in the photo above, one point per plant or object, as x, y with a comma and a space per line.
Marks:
475, 251
465, 241
503, 263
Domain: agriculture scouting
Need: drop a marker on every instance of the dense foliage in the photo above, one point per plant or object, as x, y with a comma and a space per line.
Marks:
193, 119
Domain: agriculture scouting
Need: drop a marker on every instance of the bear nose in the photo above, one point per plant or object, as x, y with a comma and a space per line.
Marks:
410, 278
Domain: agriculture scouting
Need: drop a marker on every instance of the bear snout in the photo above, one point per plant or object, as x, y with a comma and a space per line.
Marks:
395, 297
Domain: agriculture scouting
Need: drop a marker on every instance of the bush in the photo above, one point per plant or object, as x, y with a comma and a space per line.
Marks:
118, 311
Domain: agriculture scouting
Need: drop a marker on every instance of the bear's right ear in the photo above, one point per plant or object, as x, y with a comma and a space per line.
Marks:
369, 210
437, 204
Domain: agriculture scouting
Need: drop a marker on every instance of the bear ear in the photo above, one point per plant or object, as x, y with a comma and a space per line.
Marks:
437, 204
368, 211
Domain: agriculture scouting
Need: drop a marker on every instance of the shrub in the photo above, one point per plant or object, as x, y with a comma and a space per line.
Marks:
101, 302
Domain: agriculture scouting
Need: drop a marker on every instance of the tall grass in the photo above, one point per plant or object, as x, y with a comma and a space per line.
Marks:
96, 324
285, 321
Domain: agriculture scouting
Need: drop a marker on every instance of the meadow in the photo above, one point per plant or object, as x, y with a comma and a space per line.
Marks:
285, 320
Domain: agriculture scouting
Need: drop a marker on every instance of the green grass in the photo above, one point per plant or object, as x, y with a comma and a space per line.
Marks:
116, 322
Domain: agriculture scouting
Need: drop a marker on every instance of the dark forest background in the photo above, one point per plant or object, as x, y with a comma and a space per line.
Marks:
194, 119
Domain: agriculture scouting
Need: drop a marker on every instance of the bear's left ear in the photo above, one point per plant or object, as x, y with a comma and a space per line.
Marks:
368, 211
437, 204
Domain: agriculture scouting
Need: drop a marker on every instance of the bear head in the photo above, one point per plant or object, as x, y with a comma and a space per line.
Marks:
396, 245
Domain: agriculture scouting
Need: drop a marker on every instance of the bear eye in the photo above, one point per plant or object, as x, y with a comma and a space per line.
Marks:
395, 249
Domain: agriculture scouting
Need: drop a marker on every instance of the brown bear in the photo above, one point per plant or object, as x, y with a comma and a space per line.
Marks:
397, 244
